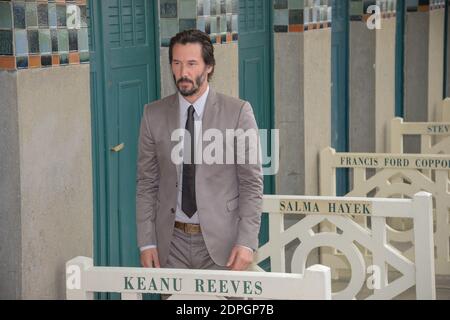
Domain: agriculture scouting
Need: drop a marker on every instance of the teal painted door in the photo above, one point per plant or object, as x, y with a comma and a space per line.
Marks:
124, 76
256, 70
340, 89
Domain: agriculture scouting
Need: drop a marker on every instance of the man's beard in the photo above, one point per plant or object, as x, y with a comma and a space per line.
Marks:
195, 86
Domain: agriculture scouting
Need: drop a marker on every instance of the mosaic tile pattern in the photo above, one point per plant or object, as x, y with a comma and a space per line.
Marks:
359, 9
218, 18
424, 5
302, 15
43, 33
437, 4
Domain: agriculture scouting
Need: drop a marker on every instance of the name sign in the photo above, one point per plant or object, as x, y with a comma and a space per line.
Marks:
438, 129
382, 161
195, 285
325, 207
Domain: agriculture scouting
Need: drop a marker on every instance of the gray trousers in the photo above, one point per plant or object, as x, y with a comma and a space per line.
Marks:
188, 251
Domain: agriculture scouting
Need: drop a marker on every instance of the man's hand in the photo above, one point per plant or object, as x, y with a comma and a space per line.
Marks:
240, 258
149, 258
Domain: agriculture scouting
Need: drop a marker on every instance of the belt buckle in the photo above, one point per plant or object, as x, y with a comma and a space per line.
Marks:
191, 228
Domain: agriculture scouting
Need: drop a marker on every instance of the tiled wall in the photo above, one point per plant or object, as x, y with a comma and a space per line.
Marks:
35, 34
302, 15
218, 18
424, 5
358, 8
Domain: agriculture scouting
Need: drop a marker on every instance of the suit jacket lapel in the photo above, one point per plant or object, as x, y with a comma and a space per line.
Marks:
209, 113
173, 122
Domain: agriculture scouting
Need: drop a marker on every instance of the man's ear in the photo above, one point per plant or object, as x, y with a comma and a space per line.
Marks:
209, 69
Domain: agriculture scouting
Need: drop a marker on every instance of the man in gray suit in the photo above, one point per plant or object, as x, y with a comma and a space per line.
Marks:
195, 214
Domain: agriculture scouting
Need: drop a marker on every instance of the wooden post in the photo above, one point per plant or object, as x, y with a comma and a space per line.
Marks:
424, 246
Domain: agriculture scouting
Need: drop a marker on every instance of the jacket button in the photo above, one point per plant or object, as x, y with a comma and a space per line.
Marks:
172, 210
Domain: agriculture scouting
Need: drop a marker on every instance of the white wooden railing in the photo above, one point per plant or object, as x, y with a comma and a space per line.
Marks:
338, 211
83, 280
434, 136
397, 176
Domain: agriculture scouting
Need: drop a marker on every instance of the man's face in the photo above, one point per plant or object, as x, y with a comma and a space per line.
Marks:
189, 70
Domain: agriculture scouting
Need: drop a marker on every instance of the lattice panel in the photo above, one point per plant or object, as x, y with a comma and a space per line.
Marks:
353, 240
396, 183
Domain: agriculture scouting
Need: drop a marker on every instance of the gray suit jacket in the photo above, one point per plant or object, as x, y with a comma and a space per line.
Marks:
229, 197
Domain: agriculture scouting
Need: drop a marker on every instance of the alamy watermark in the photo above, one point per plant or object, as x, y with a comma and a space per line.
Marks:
73, 277
73, 14
374, 21
374, 280
228, 147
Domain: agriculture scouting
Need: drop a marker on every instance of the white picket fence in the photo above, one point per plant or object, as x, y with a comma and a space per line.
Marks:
83, 280
317, 210
398, 176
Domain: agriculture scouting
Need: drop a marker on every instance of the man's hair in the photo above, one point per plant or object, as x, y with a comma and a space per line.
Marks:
195, 36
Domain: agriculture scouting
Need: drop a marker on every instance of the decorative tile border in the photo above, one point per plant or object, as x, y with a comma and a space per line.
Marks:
43, 33
424, 5
358, 9
437, 4
302, 15
218, 18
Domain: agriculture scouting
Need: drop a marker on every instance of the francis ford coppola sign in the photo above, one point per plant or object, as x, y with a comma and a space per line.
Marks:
382, 161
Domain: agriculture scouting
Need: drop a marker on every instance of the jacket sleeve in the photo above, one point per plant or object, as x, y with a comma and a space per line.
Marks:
147, 184
250, 178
